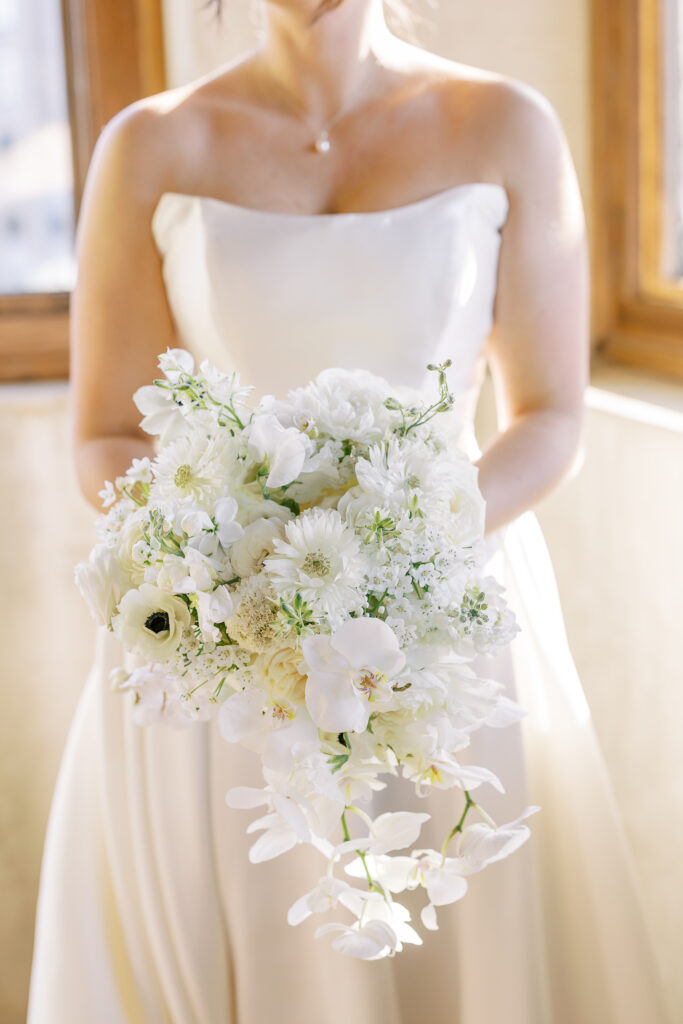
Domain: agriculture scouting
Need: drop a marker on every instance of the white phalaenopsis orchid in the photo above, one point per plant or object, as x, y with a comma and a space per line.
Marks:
311, 571
351, 673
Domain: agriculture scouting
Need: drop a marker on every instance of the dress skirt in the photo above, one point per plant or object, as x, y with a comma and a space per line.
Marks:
150, 912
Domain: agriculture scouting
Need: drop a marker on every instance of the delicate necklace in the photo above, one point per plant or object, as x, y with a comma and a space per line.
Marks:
321, 136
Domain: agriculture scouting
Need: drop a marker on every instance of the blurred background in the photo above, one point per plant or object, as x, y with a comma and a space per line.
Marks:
613, 72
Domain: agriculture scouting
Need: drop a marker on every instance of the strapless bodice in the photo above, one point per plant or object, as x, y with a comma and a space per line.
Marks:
279, 296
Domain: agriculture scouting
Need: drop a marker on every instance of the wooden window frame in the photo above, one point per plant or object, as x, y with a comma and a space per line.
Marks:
637, 314
113, 55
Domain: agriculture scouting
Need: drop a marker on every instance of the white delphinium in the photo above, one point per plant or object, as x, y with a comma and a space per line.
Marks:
319, 558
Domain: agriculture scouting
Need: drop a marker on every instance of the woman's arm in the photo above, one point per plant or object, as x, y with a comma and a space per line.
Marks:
120, 318
538, 348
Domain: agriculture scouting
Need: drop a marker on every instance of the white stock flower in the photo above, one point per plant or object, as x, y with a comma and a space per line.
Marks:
188, 574
320, 558
284, 448
225, 388
175, 362
349, 672
156, 696
213, 607
150, 621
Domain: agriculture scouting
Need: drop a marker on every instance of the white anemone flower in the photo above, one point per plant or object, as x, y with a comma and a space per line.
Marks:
150, 621
320, 558
349, 672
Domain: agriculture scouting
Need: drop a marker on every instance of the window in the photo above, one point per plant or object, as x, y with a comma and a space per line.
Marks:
36, 169
66, 67
638, 182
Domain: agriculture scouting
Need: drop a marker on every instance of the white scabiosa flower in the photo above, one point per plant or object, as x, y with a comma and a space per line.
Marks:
320, 558
150, 621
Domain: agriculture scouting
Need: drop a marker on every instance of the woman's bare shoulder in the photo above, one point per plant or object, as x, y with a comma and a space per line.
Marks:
149, 137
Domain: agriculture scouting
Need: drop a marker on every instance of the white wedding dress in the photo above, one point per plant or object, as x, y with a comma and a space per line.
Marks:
149, 911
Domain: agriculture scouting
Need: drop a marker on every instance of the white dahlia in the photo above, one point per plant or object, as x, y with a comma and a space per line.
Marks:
320, 558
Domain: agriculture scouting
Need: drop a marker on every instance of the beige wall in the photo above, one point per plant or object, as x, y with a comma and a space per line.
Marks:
612, 532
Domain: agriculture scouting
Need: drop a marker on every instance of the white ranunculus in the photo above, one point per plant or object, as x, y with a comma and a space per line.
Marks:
101, 582
284, 448
150, 621
349, 672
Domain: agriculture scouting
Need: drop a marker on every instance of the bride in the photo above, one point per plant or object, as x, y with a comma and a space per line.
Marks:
338, 197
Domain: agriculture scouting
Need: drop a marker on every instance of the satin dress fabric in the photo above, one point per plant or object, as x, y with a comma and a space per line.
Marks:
149, 910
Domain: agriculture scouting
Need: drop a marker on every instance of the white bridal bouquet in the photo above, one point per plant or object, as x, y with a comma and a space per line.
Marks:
310, 570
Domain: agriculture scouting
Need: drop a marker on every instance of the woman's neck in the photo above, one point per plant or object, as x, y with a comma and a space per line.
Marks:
332, 64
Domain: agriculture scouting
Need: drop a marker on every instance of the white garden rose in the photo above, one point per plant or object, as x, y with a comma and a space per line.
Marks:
349, 404
101, 582
248, 552
281, 671
150, 621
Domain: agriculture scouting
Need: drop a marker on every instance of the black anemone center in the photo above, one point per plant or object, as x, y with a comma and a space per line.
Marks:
157, 622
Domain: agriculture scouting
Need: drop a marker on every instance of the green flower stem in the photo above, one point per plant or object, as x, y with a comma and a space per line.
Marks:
469, 802
372, 884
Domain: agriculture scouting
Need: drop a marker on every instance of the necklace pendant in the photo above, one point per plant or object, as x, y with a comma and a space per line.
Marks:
322, 142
